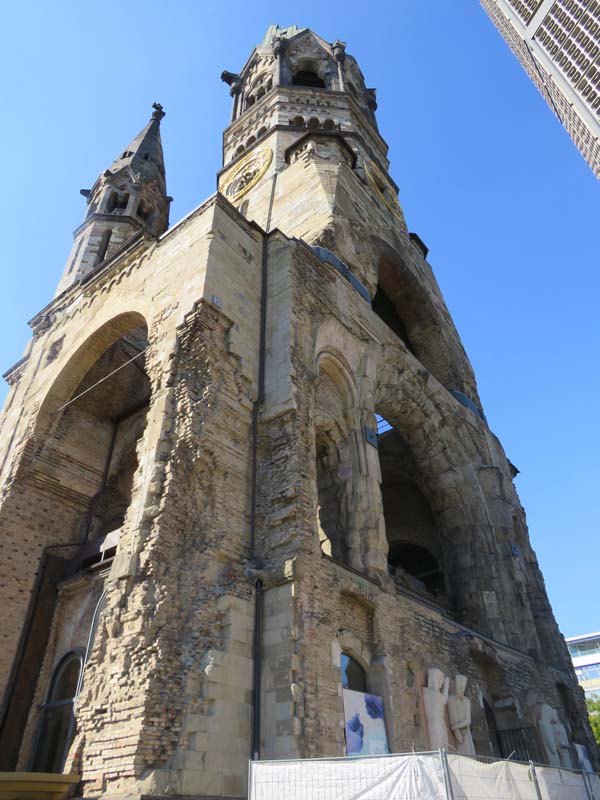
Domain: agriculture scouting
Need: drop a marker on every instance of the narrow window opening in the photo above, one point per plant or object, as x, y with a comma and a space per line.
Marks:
112, 202
298, 122
56, 724
385, 309
143, 211
353, 675
415, 549
103, 246
122, 200
117, 202
313, 122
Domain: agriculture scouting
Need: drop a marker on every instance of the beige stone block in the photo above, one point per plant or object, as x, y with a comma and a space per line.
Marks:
204, 782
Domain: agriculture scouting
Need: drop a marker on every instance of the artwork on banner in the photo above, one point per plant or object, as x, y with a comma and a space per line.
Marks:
365, 726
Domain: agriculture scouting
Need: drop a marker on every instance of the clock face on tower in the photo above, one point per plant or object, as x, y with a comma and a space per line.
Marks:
382, 188
246, 173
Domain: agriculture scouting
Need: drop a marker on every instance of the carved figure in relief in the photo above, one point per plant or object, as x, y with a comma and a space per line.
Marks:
435, 699
564, 746
459, 714
547, 722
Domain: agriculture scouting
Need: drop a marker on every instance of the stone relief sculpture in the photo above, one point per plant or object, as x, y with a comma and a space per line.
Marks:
547, 722
564, 746
459, 714
435, 699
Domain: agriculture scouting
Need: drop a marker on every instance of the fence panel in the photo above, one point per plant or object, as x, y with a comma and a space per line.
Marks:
561, 784
594, 784
486, 779
403, 777
416, 776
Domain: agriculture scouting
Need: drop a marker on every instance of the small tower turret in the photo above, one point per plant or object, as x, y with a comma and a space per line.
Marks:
131, 195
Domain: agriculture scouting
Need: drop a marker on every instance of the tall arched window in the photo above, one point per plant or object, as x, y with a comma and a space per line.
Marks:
56, 724
353, 675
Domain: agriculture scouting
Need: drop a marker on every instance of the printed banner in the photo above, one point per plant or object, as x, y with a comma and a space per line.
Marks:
365, 726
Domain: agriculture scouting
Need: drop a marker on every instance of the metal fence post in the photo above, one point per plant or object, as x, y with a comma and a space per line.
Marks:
588, 788
447, 777
536, 785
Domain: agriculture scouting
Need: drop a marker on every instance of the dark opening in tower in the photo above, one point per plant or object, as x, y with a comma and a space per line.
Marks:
336, 471
415, 555
306, 74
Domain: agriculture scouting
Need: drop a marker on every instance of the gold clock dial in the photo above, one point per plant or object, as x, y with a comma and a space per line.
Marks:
382, 188
247, 173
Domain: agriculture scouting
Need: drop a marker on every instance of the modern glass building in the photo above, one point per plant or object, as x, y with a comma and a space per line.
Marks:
585, 652
558, 44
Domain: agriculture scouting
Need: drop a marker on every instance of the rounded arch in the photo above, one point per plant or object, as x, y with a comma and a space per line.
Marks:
336, 457
78, 363
56, 725
334, 365
410, 303
354, 675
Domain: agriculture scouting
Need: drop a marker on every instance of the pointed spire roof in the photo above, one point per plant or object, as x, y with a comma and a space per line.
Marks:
143, 156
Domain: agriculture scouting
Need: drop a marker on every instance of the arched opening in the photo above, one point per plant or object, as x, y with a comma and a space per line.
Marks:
261, 132
100, 427
260, 93
415, 554
313, 122
409, 309
297, 122
490, 718
329, 125
335, 456
354, 676
331, 456
364, 712
56, 723
307, 74
384, 307
79, 483
250, 141
250, 100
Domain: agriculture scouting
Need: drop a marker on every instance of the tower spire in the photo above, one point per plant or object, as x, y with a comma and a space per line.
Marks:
129, 196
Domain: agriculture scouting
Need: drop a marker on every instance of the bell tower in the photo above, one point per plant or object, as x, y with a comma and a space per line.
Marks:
129, 198
303, 154
249, 492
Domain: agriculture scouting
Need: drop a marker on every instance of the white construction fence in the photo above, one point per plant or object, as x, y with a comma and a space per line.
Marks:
417, 776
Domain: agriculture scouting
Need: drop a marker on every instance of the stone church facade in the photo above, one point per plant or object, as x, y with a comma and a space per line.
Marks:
245, 469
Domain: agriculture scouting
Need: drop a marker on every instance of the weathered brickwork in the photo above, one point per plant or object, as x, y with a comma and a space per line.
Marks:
196, 419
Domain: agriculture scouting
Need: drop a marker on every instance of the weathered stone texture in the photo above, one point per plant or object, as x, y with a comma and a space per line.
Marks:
197, 478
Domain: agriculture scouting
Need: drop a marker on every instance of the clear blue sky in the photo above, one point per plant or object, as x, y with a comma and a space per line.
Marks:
487, 176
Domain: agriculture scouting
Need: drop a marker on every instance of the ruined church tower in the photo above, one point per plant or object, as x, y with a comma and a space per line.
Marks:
247, 477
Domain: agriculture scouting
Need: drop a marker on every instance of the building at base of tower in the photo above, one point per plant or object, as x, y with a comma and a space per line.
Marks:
251, 505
